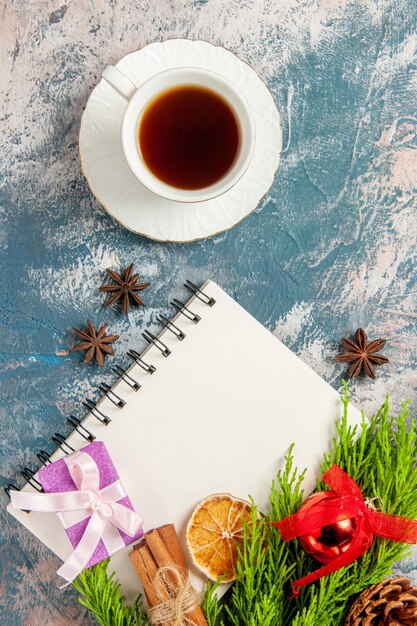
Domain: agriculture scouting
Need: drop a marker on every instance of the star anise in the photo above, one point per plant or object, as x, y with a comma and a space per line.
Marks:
125, 287
362, 354
96, 343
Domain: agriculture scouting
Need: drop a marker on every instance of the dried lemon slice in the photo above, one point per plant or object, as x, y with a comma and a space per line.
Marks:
214, 532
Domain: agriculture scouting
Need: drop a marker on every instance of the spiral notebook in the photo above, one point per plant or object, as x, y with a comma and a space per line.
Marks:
212, 405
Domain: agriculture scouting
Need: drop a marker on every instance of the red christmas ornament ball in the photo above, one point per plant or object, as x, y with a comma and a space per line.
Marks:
327, 543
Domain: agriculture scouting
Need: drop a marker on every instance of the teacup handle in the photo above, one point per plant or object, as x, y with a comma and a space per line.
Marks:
120, 83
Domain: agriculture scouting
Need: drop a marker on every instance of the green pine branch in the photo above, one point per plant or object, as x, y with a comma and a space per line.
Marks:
210, 605
380, 457
101, 594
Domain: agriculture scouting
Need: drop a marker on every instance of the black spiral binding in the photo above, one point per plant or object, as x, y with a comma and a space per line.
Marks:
10, 487
112, 396
184, 310
81, 430
29, 476
125, 375
171, 327
62, 443
165, 351
135, 356
91, 406
203, 297
127, 378
44, 457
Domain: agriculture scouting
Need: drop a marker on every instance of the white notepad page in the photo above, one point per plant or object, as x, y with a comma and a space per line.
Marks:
217, 415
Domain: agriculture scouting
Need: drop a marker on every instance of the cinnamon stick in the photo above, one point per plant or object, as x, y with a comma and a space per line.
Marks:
163, 557
146, 569
170, 539
161, 548
158, 548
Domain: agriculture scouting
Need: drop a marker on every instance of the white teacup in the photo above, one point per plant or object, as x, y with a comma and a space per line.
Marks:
138, 99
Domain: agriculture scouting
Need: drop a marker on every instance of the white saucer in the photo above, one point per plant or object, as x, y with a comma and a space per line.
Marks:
119, 191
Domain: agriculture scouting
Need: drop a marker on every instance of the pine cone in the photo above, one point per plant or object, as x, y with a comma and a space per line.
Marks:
393, 602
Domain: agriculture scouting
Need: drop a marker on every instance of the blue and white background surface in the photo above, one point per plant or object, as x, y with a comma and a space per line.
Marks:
331, 247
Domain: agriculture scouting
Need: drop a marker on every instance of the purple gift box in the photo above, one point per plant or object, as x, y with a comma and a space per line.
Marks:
56, 478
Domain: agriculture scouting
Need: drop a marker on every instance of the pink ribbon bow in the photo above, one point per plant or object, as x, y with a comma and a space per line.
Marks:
106, 515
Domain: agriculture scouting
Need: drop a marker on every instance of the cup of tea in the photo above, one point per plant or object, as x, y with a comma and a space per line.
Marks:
188, 134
